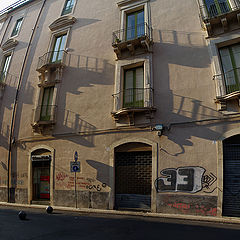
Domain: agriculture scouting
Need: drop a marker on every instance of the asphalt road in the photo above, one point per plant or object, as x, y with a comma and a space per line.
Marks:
69, 226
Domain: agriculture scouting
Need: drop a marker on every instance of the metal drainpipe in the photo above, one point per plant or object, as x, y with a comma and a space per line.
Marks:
16, 97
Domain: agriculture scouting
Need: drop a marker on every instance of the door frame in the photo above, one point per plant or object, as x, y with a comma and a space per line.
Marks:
155, 165
30, 172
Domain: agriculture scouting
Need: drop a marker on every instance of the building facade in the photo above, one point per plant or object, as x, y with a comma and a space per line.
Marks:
130, 104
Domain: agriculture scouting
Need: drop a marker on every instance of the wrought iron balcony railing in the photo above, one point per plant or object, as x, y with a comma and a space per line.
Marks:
44, 114
51, 58
127, 34
133, 98
212, 9
228, 82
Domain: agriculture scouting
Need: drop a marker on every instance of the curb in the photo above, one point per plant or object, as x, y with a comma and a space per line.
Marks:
227, 220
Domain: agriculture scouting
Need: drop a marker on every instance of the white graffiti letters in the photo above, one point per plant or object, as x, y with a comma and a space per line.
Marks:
183, 179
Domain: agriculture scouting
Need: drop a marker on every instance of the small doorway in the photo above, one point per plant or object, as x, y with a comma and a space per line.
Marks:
41, 177
133, 176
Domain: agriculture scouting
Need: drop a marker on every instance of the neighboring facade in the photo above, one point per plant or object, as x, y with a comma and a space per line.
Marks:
129, 104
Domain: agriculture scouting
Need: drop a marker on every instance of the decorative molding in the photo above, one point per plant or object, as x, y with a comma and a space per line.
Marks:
127, 2
9, 44
64, 21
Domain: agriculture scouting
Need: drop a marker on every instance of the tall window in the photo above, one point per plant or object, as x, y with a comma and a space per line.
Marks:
47, 101
230, 59
17, 27
216, 7
68, 6
4, 68
133, 94
58, 48
135, 25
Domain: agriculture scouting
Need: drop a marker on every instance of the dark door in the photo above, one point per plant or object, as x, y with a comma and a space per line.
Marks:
231, 180
133, 180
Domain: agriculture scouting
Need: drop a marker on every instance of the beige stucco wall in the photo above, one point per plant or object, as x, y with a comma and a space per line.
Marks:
183, 93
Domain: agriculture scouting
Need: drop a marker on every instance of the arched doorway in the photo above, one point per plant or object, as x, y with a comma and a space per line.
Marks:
231, 176
133, 176
41, 159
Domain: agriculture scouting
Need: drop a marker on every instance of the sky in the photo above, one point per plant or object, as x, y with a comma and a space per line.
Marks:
6, 3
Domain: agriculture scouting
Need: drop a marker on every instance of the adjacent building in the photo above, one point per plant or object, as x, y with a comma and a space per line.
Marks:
130, 104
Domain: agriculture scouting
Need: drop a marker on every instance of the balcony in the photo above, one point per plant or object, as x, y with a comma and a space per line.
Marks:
132, 40
51, 61
44, 118
220, 16
227, 87
131, 102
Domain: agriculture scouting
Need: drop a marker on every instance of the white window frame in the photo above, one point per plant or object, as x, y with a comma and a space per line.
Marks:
121, 65
73, 8
214, 45
21, 17
5, 55
127, 7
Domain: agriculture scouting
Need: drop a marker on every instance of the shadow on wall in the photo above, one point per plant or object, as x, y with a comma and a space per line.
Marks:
103, 171
72, 123
81, 72
186, 53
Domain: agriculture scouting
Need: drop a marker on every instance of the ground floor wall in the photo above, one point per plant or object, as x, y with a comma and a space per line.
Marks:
186, 176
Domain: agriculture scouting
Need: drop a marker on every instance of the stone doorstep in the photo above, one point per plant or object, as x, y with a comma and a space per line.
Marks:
227, 220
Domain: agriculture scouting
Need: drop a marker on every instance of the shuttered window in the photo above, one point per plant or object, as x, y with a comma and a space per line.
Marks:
133, 88
230, 59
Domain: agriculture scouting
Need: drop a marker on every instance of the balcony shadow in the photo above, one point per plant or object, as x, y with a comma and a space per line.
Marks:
103, 171
184, 50
73, 124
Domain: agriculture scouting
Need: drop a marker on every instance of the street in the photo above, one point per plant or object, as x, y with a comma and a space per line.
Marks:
71, 225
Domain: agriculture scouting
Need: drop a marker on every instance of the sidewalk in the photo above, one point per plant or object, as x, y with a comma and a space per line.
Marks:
228, 220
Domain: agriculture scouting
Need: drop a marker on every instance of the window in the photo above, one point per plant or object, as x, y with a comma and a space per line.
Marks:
68, 6
16, 28
135, 25
4, 68
58, 48
216, 7
47, 107
133, 93
230, 59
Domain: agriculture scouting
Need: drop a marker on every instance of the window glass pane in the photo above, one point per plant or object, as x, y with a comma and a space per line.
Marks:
17, 27
140, 24
227, 66
128, 87
68, 7
46, 107
5, 67
134, 88
135, 25
139, 92
131, 26
58, 48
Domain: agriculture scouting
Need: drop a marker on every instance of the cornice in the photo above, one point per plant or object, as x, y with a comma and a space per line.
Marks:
9, 44
127, 2
62, 22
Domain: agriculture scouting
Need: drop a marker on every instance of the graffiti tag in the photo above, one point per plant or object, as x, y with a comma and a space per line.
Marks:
183, 179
